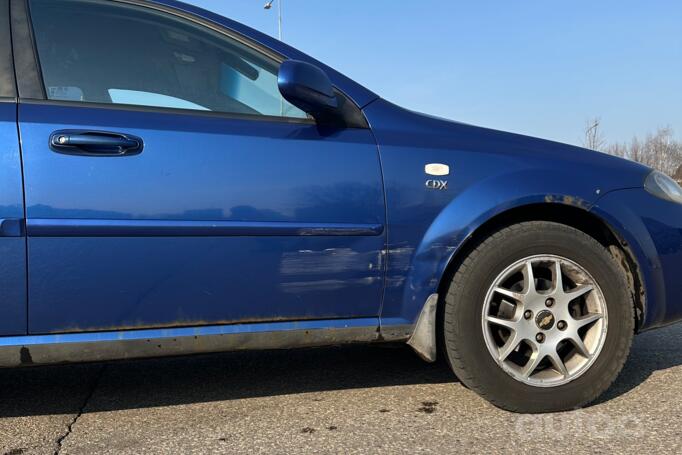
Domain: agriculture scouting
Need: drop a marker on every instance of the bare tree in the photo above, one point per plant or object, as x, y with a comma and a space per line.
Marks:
678, 174
594, 139
658, 150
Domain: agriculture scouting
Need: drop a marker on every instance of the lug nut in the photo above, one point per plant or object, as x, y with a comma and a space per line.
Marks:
528, 314
561, 325
549, 302
540, 338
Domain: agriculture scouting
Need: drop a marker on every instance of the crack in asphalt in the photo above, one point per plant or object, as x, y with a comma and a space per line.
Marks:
95, 383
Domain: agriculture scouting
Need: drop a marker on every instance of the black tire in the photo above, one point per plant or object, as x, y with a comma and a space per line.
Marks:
463, 337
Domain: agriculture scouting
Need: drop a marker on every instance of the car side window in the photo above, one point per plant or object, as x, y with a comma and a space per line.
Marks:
108, 52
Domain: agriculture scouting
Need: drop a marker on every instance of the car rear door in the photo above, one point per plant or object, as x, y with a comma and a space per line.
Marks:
169, 184
12, 240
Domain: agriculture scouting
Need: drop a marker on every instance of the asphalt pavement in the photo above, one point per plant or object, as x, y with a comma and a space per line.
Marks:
354, 399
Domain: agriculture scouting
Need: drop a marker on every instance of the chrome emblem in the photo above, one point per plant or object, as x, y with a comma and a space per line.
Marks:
545, 320
437, 184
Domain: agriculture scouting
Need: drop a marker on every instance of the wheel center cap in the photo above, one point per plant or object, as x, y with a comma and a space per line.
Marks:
545, 320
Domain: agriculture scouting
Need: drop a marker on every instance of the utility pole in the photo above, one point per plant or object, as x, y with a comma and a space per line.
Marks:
268, 5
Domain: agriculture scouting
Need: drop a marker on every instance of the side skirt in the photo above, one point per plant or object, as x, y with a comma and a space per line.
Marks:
101, 346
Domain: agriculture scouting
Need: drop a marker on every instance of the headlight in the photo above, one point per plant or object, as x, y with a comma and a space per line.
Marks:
660, 185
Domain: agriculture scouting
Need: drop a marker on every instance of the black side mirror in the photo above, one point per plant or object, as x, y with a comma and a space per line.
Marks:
308, 88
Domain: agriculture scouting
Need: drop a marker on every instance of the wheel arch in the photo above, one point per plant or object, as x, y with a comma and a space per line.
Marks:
574, 216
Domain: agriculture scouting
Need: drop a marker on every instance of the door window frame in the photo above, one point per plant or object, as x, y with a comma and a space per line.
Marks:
31, 88
8, 88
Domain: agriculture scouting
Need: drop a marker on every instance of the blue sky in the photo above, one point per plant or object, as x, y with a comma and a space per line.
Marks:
536, 67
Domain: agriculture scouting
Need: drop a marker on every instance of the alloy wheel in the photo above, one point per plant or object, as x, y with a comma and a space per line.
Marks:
544, 320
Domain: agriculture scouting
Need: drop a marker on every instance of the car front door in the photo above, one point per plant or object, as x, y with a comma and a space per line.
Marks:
169, 184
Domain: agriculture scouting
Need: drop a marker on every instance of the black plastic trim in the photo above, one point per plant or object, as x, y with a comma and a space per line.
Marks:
167, 110
29, 79
8, 87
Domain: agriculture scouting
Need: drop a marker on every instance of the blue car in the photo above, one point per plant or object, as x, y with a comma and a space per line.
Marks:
173, 182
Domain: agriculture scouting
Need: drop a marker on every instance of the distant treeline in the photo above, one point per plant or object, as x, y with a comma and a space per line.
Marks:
658, 150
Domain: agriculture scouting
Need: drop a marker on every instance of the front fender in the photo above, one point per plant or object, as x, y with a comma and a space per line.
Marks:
490, 172
457, 222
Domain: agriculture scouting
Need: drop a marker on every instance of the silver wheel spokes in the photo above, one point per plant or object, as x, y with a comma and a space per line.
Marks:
544, 320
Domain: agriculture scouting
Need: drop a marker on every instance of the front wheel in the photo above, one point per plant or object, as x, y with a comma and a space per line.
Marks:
538, 318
